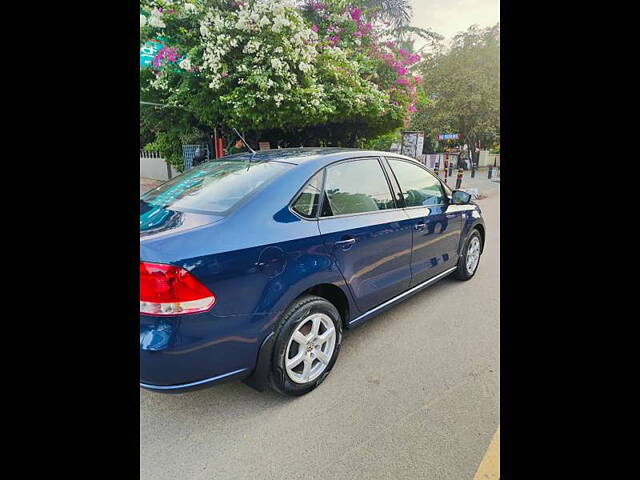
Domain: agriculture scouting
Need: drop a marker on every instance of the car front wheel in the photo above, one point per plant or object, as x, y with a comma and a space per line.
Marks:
470, 258
307, 345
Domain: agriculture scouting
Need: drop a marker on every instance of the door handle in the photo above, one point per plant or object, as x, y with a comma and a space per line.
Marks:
420, 226
345, 243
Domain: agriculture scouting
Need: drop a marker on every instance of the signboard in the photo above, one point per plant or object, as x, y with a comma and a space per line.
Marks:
412, 143
420, 144
432, 158
448, 136
264, 145
148, 51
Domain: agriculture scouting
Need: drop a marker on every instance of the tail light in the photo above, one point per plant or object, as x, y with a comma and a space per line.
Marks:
170, 290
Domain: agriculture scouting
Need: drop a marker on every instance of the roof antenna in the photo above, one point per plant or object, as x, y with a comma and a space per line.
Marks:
253, 152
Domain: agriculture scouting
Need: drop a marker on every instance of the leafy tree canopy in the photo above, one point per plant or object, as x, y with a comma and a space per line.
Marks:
461, 89
320, 72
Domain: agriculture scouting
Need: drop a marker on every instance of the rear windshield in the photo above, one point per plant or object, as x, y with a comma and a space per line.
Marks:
214, 187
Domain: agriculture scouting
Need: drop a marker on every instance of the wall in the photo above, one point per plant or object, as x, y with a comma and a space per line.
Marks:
494, 158
486, 159
155, 168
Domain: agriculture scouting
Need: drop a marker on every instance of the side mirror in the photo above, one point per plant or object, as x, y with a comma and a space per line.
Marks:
460, 198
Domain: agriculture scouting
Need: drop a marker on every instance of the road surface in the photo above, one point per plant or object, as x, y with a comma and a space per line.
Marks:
414, 395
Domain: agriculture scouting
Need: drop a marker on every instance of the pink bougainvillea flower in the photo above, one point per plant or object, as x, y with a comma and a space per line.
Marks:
411, 59
412, 108
402, 81
387, 57
417, 78
224, 74
400, 70
172, 54
355, 14
403, 52
165, 54
315, 28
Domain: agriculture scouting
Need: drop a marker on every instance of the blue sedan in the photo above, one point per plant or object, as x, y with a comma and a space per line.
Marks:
252, 265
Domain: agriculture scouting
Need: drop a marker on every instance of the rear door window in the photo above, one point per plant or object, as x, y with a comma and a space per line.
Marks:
214, 187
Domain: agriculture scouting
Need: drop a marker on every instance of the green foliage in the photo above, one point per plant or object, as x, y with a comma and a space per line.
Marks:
259, 66
397, 12
381, 142
461, 89
170, 147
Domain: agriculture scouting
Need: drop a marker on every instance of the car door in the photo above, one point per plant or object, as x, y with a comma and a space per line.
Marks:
435, 225
369, 235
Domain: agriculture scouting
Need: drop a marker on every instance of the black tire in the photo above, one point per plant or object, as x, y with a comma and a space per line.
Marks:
462, 273
297, 312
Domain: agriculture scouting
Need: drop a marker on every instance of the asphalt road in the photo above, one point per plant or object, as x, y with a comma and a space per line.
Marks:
414, 395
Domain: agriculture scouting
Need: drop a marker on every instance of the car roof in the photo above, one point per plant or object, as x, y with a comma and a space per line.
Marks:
301, 155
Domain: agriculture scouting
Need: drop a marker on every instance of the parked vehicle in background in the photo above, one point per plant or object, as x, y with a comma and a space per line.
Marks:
251, 266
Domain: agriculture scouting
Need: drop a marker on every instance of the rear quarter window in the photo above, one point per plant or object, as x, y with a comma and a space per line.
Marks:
307, 202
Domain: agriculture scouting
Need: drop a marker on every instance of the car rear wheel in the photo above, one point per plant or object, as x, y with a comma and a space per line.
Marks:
307, 345
470, 258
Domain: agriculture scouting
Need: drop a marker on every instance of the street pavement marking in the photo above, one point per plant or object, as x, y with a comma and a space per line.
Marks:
489, 468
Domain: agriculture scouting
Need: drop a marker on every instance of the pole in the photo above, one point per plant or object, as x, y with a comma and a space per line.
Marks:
215, 142
446, 166
490, 171
459, 179
435, 170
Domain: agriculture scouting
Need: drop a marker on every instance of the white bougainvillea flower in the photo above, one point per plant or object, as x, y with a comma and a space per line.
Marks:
185, 64
143, 21
155, 20
264, 21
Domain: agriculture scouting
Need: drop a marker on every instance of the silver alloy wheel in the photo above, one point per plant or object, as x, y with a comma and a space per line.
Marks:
473, 255
310, 348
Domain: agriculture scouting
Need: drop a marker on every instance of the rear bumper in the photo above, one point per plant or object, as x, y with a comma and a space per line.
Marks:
190, 352
207, 382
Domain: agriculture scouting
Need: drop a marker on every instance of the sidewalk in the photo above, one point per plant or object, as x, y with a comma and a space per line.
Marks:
484, 185
148, 184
